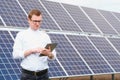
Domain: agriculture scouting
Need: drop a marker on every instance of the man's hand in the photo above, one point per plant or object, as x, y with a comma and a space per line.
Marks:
42, 51
46, 52
37, 50
32, 51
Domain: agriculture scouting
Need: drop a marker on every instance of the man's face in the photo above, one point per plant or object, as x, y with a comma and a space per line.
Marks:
35, 22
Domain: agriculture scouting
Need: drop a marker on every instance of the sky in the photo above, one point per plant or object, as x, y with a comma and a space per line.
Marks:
109, 5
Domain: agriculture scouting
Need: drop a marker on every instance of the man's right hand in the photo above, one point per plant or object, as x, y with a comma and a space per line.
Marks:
32, 51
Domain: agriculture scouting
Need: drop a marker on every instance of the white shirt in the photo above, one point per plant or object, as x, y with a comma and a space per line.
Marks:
29, 39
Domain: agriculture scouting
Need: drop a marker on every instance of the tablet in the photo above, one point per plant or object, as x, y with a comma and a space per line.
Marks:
52, 47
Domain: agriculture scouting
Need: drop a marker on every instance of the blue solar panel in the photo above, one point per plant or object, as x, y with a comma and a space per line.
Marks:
61, 17
47, 22
9, 67
115, 42
81, 19
68, 57
12, 14
112, 20
55, 69
99, 21
14, 33
76, 55
90, 54
107, 51
1, 22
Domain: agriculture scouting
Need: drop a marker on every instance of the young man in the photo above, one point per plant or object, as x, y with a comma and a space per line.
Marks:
29, 44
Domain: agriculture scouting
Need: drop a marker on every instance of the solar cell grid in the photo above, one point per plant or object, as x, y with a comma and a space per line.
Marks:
99, 21
107, 51
81, 19
14, 33
12, 14
61, 17
70, 60
111, 19
8, 64
90, 54
117, 15
55, 69
115, 42
47, 22
1, 23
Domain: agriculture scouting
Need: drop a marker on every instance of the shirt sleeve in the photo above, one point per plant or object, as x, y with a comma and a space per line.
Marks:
17, 47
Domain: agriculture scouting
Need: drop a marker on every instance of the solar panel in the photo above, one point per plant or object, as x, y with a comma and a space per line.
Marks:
12, 14
47, 22
76, 55
90, 54
68, 57
1, 23
81, 19
55, 70
99, 21
115, 42
107, 51
9, 67
112, 20
117, 15
60, 16
14, 33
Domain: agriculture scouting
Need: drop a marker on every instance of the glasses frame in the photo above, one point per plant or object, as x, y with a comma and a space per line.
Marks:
36, 21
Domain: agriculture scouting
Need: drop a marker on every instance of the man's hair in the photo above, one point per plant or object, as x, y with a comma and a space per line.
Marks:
34, 12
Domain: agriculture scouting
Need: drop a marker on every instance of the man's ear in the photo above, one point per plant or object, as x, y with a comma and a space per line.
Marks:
28, 19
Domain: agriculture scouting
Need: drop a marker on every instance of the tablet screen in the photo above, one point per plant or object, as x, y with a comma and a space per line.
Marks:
51, 46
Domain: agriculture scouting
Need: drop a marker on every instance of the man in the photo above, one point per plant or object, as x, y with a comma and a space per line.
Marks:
29, 44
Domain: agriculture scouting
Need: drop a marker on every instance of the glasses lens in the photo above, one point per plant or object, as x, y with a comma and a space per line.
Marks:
35, 21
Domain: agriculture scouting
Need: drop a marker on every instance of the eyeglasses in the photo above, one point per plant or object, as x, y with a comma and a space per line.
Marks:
35, 21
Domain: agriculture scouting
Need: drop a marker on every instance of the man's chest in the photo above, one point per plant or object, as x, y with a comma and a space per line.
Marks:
35, 41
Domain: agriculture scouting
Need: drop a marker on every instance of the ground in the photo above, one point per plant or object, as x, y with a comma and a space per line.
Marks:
96, 77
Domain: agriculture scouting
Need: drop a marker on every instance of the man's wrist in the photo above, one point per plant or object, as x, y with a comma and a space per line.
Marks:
50, 55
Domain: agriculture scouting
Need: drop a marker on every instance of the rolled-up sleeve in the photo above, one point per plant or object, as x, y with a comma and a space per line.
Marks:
17, 47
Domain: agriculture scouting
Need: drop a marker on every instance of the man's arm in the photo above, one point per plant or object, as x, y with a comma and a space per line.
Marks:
17, 48
47, 52
32, 51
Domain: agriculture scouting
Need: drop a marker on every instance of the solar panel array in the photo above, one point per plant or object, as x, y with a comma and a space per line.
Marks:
103, 25
77, 54
12, 14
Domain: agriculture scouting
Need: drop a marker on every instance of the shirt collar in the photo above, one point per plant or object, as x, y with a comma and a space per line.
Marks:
33, 30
